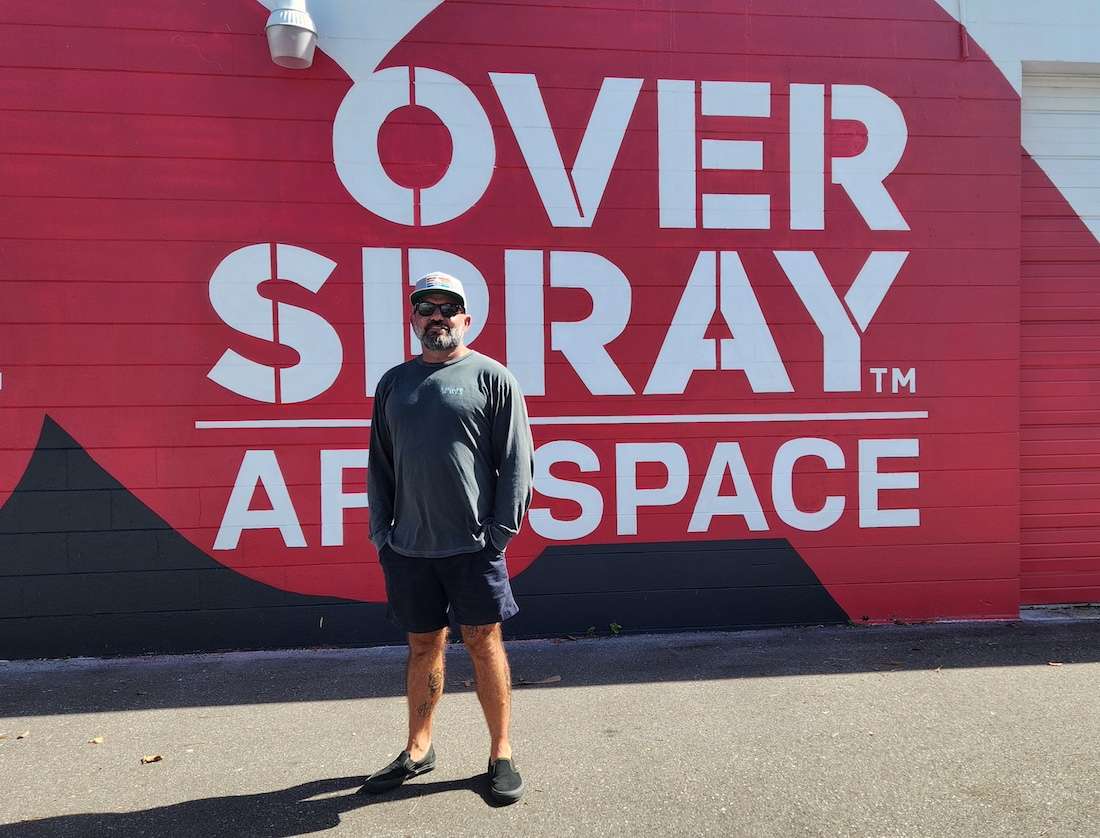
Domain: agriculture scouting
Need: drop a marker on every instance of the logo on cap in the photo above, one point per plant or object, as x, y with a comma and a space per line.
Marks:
437, 282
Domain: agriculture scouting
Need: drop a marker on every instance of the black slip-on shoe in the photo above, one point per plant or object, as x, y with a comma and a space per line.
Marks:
505, 784
401, 769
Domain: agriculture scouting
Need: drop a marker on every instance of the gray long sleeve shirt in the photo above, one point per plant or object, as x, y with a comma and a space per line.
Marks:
451, 457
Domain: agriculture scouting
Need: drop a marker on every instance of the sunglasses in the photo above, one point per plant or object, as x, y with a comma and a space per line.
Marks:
426, 309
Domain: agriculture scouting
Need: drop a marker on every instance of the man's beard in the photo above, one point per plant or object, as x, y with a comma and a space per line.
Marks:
439, 340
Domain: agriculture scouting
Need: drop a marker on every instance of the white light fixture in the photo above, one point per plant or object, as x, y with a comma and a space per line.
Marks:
291, 35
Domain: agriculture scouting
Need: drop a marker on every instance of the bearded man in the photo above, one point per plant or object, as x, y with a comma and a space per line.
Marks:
449, 481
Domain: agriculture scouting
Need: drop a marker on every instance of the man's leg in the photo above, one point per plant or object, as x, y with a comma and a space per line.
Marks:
494, 684
424, 687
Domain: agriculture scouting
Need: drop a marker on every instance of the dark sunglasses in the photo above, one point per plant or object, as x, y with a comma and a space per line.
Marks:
426, 309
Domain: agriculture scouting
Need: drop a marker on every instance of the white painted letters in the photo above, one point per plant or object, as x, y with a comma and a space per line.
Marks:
842, 351
871, 482
584, 341
789, 453
727, 456
676, 155
603, 136
524, 319
751, 349
259, 468
807, 157
334, 500
629, 497
863, 176
355, 145
234, 295
587, 497
735, 212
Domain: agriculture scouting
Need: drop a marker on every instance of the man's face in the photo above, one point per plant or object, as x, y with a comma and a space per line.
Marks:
436, 332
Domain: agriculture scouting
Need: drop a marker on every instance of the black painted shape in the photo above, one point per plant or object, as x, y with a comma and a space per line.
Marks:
670, 586
88, 569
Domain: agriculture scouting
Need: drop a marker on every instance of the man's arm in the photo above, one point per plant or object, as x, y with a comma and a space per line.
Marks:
513, 456
381, 480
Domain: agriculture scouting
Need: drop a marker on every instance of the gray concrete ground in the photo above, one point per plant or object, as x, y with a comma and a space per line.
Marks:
941, 730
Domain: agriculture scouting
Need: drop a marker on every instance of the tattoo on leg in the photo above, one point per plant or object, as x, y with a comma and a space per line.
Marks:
435, 682
424, 709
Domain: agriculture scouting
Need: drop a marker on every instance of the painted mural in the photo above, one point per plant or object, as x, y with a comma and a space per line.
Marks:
757, 272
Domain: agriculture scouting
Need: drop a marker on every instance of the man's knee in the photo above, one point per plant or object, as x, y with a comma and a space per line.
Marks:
427, 643
482, 639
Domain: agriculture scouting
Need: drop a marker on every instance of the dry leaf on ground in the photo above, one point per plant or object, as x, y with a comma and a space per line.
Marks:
23, 735
96, 740
148, 758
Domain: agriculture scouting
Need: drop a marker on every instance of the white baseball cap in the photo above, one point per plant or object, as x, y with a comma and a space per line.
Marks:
437, 283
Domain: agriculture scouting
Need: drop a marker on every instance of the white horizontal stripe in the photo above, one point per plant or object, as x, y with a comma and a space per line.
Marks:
285, 423
667, 419
723, 418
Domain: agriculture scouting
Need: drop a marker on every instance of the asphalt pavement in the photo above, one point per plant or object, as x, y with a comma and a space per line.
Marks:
937, 730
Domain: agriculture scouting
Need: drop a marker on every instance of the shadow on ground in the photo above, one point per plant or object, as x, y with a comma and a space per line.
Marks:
287, 812
39, 688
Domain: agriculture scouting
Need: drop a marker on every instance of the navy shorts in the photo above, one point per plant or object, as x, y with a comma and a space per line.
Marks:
474, 586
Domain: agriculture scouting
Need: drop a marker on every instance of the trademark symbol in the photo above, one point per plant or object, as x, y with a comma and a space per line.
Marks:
898, 379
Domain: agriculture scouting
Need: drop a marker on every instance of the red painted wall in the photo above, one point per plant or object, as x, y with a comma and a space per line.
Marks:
145, 143
1060, 542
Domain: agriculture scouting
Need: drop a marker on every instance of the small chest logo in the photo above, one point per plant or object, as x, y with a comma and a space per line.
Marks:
452, 391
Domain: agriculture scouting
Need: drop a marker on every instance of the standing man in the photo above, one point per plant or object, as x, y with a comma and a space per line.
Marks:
449, 482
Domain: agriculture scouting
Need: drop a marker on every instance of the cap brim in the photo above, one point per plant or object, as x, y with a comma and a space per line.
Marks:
417, 296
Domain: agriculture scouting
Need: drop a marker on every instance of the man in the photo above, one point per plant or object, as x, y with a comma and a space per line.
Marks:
449, 482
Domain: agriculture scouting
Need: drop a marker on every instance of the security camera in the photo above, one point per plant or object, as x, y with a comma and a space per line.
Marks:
291, 35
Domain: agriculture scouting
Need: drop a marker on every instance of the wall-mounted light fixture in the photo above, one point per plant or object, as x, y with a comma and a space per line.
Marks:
291, 35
